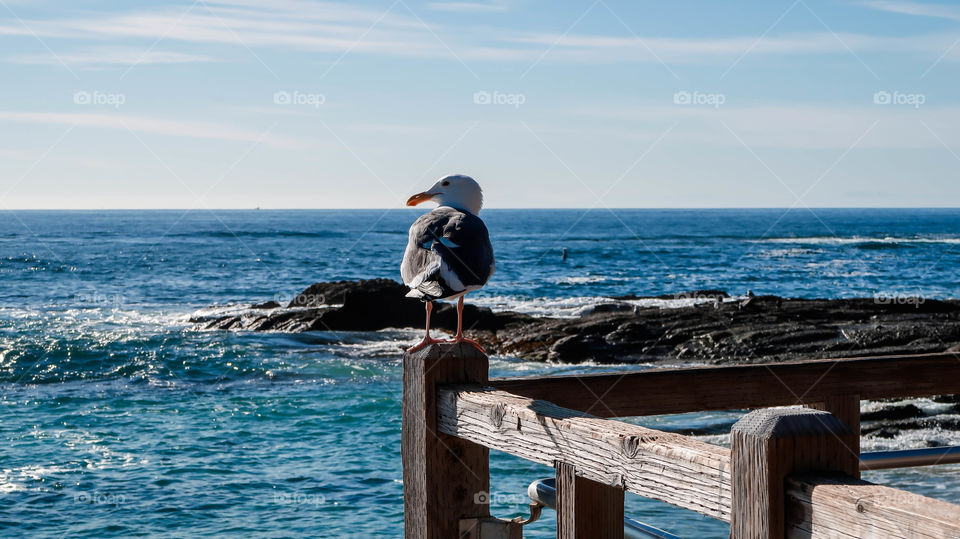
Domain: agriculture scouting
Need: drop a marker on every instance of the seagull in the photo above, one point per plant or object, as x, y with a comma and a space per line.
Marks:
448, 252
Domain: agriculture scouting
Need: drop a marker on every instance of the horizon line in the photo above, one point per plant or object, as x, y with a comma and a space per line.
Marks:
517, 208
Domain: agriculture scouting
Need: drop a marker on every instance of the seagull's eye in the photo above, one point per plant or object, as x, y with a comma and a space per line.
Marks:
445, 184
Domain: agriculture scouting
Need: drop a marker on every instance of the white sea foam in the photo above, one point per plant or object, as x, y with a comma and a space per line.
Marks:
572, 307
384, 343
929, 406
535, 306
822, 240
787, 253
233, 309
103, 324
587, 279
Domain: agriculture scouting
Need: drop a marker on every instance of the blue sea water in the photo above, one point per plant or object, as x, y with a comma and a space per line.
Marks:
120, 420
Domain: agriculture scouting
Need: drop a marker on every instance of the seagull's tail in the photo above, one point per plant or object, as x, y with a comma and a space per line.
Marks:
425, 285
426, 289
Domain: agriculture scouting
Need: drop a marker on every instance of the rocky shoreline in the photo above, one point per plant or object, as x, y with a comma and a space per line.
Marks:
717, 330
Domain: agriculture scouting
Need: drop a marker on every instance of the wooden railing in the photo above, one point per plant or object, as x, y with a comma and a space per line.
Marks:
790, 472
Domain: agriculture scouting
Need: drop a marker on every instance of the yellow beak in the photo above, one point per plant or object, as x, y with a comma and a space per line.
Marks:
418, 198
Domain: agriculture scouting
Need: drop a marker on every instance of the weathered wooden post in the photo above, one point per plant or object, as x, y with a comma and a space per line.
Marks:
846, 408
587, 508
445, 478
768, 444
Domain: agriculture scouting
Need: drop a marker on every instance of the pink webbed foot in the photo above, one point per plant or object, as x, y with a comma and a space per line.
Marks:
461, 339
427, 340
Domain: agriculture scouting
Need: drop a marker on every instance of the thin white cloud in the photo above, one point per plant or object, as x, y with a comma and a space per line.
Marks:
919, 9
109, 57
250, 29
580, 47
288, 24
392, 31
158, 126
334, 12
470, 7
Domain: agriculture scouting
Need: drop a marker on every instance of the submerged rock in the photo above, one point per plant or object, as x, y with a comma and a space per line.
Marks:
765, 328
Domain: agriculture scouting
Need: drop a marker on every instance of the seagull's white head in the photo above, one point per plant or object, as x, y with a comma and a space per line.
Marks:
457, 191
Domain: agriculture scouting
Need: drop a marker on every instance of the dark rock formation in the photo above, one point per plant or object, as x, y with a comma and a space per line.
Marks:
890, 429
757, 329
366, 305
896, 411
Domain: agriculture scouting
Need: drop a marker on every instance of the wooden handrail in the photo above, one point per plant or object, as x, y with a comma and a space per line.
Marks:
678, 469
452, 418
669, 467
831, 506
670, 391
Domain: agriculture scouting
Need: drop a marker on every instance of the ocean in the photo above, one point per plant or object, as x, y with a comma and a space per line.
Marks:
118, 419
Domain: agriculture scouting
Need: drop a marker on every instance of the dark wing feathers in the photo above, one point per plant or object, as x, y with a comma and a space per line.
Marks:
449, 251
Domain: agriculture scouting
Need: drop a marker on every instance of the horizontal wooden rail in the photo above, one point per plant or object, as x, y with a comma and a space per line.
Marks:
669, 467
668, 391
832, 506
680, 470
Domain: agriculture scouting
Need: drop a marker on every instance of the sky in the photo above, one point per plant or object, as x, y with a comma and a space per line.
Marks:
302, 104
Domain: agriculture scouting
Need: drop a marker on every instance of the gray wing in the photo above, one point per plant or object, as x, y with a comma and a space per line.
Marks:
448, 253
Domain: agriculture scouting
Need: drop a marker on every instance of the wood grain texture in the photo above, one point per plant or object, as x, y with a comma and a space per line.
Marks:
566, 501
766, 445
585, 508
846, 408
669, 391
668, 467
444, 477
835, 507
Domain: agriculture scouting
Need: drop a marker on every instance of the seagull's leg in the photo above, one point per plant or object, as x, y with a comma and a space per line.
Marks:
426, 338
459, 336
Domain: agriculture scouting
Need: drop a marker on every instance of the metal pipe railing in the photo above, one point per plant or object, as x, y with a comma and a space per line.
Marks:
906, 458
544, 492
